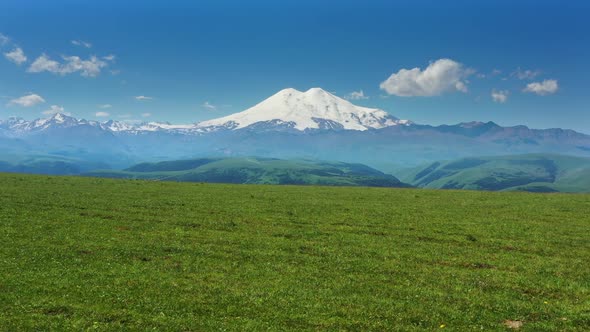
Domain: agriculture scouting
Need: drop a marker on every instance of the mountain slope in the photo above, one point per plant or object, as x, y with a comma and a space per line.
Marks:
257, 171
540, 172
313, 109
43, 164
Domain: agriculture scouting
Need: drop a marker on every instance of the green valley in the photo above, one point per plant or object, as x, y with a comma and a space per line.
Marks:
257, 171
534, 172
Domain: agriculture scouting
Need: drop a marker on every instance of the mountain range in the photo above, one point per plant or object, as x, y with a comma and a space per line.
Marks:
313, 124
314, 109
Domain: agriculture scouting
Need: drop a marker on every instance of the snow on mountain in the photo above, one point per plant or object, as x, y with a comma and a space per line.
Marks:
56, 120
312, 109
116, 126
119, 126
14, 124
19, 126
156, 126
289, 108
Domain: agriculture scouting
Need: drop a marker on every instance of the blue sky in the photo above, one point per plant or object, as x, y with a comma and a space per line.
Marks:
197, 60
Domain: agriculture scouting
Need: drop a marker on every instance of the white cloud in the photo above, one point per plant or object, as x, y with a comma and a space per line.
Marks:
500, 96
356, 95
110, 57
54, 109
525, 74
3, 40
207, 105
146, 115
82, 43
105, 106
44, 63
544, 88
143, 98
17, 56
72, 64
443, 75
27, 101
101, 114
87, 68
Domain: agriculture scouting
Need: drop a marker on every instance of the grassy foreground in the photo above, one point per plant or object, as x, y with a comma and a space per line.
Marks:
101, 254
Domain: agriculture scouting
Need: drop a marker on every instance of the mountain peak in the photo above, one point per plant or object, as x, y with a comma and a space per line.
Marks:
316, 91
288, 91
476, 124
60, 117
312, 109
309, 91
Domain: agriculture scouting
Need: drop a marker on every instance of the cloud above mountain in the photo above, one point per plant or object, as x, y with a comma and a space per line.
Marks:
208, 106
441, 76
54, 109
17, 56
90, 67
525, 74
500, 96
356, 95
544, 88
81, 43
29, 100
4, 40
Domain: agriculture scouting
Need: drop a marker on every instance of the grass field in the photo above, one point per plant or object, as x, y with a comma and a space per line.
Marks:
103, 254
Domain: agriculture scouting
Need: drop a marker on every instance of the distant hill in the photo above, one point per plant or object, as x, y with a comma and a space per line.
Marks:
535, 172
257, 171
290, 124
44, 164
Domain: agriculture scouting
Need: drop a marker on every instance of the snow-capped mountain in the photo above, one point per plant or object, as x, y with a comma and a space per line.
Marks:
312, 109
116, 126
164, 126
19, 127
289, 124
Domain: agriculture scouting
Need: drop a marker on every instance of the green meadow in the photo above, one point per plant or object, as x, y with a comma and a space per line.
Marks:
114, 255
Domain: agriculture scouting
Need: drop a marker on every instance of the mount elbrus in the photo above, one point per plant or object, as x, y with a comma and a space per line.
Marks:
313, 124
